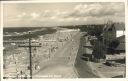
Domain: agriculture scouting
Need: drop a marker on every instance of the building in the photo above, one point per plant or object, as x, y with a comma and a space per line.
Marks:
115, 33
109, 33
121, 47
120, 29
114, 29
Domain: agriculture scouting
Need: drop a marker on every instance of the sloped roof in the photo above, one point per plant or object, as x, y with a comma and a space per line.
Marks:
119, 26
121, 39
121, 46
108, 26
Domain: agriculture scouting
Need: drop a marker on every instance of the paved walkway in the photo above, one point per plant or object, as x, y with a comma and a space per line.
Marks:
61, 64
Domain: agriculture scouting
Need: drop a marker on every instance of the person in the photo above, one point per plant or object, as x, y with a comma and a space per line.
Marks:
25, 76
17, 76
21, 74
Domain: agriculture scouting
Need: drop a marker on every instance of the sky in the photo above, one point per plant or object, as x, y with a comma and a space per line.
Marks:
61, 14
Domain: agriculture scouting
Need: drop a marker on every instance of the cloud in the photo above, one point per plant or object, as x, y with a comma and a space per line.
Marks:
21, 15
34, 15
97, 10
81, 10
84, 13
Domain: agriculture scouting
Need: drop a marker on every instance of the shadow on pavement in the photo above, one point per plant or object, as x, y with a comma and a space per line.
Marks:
81, 65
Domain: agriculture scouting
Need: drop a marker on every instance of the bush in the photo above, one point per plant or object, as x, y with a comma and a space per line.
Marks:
99, 50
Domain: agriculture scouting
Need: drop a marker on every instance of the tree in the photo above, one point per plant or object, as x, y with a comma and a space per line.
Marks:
99, 50
113, 45
95, 31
